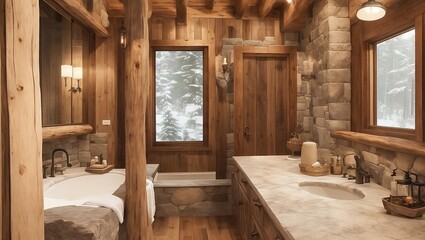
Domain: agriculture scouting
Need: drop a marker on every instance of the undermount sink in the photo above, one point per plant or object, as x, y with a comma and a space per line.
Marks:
332, 190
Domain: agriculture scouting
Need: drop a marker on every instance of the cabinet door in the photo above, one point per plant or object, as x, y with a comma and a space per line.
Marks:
245, 216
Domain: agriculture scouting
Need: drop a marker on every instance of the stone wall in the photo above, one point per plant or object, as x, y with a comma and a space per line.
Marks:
323, 87
80, 149
193, 201
323, 81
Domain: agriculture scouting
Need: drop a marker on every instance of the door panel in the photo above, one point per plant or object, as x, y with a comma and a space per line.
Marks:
265, 102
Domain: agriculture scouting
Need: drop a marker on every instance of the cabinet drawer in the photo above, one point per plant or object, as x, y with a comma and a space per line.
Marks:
243, 182
270, 229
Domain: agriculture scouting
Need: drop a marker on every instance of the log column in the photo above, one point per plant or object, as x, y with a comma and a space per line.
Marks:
137, 91
24, 119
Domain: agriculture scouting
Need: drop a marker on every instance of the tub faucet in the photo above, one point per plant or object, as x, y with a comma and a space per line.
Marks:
361, 176
68, 164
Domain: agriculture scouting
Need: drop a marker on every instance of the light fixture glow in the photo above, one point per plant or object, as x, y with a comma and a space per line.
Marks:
289, 1
77, 72
66, 71
371, 11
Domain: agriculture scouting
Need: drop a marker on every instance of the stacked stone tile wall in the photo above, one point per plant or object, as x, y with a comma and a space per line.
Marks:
323, 87
80, 149
193, 201
323, 81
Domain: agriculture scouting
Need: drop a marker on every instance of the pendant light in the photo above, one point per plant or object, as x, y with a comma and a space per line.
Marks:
371, 11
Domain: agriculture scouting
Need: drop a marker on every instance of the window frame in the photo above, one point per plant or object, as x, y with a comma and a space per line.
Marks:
204, 145
364, 60
372, 116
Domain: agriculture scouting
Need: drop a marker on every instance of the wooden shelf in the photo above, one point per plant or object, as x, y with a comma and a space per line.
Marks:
388, 143
58, 132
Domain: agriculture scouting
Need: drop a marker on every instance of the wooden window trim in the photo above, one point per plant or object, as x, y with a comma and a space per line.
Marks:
363, 79
206, 144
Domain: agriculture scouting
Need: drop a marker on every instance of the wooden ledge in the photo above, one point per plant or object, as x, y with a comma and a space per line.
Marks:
388, 143
58, 132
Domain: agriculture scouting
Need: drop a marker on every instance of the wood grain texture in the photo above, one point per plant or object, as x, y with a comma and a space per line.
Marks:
90, 20
107, 84
4, 137
195, 228
24, 106
181, 8
385, 142
264, 7
296, 15
137, 91
58, 132
210, 4
263, 123
241, 6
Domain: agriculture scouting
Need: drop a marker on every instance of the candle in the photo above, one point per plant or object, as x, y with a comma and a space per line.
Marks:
224, 61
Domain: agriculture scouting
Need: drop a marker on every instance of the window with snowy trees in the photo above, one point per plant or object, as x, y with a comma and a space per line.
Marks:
179, 95
395, 81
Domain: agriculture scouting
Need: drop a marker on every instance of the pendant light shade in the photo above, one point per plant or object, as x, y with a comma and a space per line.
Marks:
371, 11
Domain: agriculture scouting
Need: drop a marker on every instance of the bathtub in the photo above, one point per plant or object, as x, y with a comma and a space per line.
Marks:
76, 187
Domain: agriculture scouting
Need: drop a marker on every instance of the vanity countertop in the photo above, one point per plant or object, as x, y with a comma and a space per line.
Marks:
302, 215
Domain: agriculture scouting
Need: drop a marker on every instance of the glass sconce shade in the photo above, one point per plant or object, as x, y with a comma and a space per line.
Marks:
66, 71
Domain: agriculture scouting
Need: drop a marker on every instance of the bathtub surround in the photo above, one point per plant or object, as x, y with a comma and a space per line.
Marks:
193, 197
80, 149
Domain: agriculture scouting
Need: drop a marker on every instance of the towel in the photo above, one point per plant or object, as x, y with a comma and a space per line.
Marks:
110, 201
150, 197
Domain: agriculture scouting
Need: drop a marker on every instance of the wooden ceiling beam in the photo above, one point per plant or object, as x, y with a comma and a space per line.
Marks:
264, 7
181, 7
296, 15
210, 4
241, 6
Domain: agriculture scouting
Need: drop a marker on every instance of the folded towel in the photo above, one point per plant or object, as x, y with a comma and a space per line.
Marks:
150, 197
110, 201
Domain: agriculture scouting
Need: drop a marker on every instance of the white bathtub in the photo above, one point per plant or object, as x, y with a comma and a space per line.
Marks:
78, 186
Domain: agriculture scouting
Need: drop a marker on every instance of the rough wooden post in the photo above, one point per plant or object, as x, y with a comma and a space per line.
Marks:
137, 90
24, 109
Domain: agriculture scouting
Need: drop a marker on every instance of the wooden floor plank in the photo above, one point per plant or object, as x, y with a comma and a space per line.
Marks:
195, 228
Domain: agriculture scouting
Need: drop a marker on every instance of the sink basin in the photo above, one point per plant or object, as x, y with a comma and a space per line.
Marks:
332, 190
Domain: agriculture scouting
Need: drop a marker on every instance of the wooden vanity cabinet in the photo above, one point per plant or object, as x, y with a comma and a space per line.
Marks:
253, 221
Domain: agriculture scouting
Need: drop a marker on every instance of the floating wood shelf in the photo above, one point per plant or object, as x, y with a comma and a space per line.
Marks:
57, 132
388, 143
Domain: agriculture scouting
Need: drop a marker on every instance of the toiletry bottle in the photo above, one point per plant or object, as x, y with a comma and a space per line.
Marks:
338, 166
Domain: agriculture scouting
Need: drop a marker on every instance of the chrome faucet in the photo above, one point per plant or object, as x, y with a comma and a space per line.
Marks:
361, 176
68, 164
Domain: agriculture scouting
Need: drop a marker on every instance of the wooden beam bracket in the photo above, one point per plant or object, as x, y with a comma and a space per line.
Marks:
181, 8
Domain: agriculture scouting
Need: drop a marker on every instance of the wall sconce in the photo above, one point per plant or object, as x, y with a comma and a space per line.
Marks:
371, 11
66, 72
123, 37
77, 73
224, 67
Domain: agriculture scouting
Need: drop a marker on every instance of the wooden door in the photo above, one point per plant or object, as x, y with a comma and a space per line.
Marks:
265, 104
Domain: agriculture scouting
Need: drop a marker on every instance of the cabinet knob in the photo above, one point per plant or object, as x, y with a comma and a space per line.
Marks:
255, 234
257, 203
244, 181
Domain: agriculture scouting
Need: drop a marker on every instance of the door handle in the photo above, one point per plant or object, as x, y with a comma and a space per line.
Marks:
246, 132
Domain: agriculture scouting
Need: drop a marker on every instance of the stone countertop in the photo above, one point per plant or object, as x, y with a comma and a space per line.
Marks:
302, 215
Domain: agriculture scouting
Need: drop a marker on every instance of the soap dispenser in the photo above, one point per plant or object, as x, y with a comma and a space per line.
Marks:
336, 168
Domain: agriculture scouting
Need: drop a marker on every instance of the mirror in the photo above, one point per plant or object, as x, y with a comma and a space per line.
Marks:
64, 67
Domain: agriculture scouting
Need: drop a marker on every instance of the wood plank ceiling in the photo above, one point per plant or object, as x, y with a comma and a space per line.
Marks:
293, 16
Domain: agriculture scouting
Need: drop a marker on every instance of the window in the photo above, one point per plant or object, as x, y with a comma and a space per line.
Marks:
395, 81
180, 97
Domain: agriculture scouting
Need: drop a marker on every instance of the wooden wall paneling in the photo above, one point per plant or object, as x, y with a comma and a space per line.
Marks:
222, 116
182, 32
169, 29
248, 128
90, 84
357, 76
137, 92
107, 87
155, 29
121, 63
281, 90
238, 97
265, 6
24, 105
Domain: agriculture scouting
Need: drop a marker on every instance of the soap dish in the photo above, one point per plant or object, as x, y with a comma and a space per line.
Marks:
392, 205
315, 171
